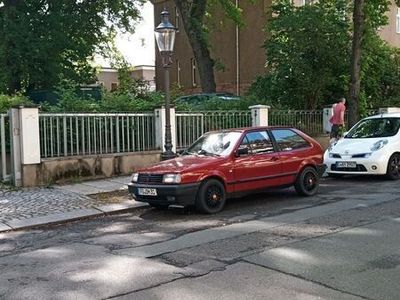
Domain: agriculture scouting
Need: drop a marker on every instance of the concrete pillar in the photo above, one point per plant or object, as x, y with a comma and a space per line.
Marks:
259, 115
25, 143
160, 128
326, 115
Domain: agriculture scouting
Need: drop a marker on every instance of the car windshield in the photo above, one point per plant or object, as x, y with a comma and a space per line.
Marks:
375, 128
214, 143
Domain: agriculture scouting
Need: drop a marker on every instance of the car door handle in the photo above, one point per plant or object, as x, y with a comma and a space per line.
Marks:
274, 158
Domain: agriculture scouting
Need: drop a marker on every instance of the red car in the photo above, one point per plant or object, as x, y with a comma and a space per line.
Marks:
229, 163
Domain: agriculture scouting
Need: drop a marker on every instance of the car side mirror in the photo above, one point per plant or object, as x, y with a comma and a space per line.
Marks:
345, 133
242, 151
180, 152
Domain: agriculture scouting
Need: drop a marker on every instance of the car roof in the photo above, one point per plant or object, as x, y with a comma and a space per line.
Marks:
243, 129
384, 115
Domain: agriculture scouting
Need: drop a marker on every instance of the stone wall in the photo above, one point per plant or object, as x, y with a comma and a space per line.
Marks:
86, 167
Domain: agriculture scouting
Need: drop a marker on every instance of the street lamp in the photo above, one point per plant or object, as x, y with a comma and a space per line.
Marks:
165, 37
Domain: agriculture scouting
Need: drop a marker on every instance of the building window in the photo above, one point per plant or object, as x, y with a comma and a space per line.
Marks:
398, 20
178, 72
177, 19
193, 64
114, 86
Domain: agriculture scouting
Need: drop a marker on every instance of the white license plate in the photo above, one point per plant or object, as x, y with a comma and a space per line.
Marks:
147, 192
346, 164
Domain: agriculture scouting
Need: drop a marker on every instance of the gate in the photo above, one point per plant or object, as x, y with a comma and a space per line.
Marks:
5, 148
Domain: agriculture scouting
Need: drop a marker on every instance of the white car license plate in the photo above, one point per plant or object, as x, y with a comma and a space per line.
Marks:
147, 192
346, 164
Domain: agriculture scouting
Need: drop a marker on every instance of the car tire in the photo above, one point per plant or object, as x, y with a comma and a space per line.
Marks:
334, 175
393, 167
211, 197
307, 182
159, 206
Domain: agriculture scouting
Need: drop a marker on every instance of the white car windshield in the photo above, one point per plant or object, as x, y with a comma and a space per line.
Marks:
214, 143
375, 128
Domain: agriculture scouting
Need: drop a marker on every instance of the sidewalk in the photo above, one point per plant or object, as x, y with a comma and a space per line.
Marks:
29, 207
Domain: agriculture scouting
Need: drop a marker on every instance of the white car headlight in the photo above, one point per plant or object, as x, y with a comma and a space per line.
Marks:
134, 177
331, 146
379, 145
172, 178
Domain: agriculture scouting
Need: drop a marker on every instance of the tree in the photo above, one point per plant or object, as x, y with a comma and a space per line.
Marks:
44, 41
307, 54
193, 15
368, 16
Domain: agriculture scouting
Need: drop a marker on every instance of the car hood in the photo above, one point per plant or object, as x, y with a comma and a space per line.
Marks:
181, 164
355, 146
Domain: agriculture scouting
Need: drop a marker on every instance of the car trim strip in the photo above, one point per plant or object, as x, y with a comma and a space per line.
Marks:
262, 178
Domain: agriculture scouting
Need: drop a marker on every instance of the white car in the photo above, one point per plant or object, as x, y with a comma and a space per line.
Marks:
372, 147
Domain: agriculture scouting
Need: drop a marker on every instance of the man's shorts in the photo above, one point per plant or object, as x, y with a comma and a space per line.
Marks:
336, 131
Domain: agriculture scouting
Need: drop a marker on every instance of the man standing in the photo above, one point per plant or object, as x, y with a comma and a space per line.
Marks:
337, 119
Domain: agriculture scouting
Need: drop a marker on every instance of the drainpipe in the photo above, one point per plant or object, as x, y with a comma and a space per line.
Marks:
237, 57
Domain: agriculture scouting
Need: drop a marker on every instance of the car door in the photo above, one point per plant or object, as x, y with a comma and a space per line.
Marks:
260, 166
293, 148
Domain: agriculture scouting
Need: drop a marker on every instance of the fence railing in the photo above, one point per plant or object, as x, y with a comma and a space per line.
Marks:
90, 134
5, 140
309, 121
191, 125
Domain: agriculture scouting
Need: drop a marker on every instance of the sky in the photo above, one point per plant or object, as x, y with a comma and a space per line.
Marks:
138, 49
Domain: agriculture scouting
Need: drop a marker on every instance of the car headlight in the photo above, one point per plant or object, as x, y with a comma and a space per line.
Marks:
331, 146
134, 177
172, 178
379, 145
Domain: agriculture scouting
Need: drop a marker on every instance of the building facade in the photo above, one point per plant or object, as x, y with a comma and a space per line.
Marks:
108, 77
239, 53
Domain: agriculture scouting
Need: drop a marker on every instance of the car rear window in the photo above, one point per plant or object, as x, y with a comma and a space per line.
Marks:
288, 140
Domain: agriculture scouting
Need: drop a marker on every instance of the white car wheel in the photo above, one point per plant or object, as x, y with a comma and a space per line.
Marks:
393, 167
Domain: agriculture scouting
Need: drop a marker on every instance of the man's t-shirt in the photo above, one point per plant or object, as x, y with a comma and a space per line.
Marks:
337, 110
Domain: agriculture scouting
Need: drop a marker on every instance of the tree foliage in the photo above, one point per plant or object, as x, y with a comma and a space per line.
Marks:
44, 41
309, 52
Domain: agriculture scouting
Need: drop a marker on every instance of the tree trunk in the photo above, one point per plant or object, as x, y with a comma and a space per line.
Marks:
355, 72
192, 13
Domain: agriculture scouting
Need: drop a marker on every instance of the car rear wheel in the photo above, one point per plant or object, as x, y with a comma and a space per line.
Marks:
307, 182
393, 168
211, 197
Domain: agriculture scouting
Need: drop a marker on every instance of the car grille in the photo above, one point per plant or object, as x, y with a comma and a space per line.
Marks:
359, 168
150, 178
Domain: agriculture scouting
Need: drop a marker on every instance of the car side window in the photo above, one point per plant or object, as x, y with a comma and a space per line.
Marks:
257, 142
288, 140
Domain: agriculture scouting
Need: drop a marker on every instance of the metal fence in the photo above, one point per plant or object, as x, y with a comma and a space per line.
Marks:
90, 134
191, 125
309, 121
5, 141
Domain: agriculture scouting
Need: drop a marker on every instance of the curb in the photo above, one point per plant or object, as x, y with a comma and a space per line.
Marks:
65, 217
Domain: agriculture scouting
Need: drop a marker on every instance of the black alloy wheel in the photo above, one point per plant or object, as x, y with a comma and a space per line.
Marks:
307, 182
211, 196
393, 168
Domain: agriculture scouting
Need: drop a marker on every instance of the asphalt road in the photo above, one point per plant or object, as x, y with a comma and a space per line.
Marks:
340, 244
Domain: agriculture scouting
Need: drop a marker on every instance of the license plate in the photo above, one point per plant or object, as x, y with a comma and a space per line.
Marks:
346, 164
147, 192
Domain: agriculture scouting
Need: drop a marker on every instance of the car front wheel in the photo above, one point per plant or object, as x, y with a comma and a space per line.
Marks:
211, 197
307, 182
393, 168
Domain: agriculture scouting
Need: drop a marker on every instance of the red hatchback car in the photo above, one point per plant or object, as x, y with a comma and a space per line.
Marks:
229, 163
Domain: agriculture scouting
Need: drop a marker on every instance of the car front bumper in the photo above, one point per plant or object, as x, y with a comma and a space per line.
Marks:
177, 194
373, 165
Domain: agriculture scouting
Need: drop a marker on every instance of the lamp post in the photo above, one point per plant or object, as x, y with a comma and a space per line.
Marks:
165, 37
